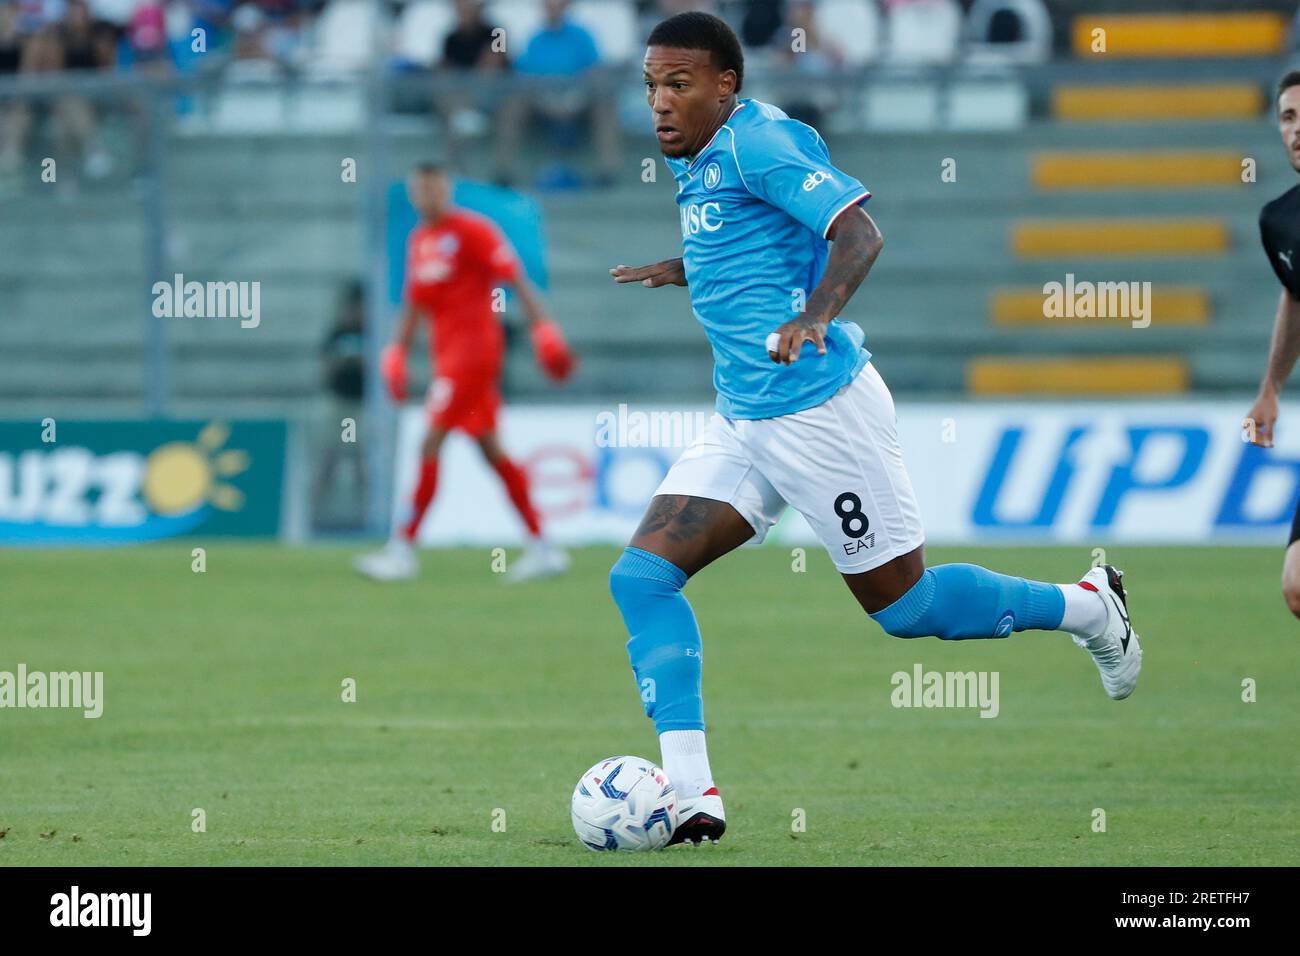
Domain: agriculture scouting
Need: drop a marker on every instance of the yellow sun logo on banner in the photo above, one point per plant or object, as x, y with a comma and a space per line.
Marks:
180, 476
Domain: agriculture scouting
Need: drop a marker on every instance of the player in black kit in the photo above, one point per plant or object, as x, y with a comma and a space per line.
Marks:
1279, 229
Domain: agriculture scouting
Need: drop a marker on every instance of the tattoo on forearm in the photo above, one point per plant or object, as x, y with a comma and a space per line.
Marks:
852, 255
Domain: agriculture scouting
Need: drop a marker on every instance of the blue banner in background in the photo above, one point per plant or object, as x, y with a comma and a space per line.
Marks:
94, 483
518, 216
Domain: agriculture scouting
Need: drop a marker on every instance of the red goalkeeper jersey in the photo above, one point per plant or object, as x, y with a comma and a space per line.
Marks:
452, 268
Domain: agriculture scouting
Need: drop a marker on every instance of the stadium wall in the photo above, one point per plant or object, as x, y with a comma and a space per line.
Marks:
1141, 473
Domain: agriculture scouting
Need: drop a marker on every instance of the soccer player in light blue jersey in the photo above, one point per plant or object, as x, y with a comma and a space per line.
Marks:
775, 241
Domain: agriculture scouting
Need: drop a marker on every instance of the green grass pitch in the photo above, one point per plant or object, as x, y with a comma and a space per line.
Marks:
479, 704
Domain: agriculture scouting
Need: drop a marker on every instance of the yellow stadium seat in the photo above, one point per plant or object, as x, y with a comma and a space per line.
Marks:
1253, 33
1117, 103
1136, 169
1170, 305
1077, 376
1108, 238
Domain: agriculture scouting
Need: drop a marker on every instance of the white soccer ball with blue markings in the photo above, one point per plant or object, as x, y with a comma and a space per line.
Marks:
624, 803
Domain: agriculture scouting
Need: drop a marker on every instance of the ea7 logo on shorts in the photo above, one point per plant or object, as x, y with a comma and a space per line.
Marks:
814, 180
712, 176
697, 219
854, 523
865, 543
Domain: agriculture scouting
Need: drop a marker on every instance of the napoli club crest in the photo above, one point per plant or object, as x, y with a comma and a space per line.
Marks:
712, 176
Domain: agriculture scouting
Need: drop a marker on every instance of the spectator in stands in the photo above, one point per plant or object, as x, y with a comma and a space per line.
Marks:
343, 360
470, 45
146, 36
761, 23
54, 35
561, 50
652, 12
15, 115
800, 47
286, 30
86, 45
251, 58
471, 54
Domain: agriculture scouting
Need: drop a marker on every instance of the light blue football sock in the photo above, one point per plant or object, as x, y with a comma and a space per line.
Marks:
958, 602
665, 647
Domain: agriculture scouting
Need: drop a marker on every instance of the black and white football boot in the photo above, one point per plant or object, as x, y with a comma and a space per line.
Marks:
1115, 648
700, 818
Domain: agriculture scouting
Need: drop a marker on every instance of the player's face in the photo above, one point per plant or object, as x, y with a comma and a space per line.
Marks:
1288, 123
689, 96
430, 193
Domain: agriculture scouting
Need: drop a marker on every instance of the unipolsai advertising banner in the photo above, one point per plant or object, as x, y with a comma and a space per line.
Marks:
122, 482
1142, 472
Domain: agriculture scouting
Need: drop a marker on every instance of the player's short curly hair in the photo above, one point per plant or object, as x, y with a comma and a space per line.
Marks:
1288, 81
703, 31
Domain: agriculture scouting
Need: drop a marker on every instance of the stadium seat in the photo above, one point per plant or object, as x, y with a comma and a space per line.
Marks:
1170, 305
326, 108
245, 107
923, 31
612, 23
345, 39
1237, 34
1136, 169
1032, 25
1136, 103
1078, 377
987, 103
902, 107
855, 27
1108, 238
422, 27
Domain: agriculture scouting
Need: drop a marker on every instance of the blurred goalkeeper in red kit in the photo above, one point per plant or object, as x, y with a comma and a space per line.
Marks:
456, 263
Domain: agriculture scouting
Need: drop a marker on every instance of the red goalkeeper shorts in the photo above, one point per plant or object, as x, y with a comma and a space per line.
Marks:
468, 403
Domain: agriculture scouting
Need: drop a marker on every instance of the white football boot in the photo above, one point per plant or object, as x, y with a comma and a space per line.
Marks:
699, 818
539, 560
396, 561
1115, 648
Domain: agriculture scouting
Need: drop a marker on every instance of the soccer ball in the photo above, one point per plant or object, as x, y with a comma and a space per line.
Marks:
624, 803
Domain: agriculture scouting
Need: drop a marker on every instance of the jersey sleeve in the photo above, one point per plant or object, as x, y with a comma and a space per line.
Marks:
494, 250
787, 165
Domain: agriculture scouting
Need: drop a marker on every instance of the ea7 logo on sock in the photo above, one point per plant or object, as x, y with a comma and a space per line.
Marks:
102, 909
923, 688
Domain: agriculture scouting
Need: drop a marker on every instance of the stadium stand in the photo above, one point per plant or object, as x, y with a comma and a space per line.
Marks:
1128, 170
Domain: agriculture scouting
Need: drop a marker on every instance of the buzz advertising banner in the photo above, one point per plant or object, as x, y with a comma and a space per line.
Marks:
1076, 473
87, 483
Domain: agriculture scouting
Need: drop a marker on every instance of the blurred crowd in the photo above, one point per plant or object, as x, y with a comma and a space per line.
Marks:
500, 67
271, 36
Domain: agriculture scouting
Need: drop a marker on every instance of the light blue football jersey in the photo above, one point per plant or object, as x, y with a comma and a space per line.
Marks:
755, 207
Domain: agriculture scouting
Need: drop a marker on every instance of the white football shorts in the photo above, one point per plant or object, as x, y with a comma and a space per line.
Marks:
838, 464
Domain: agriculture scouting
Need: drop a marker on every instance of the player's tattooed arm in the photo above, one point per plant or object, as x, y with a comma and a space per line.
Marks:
668, 272
1282, 355
855, 244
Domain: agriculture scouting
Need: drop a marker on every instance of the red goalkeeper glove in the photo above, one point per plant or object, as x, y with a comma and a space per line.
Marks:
392, 365
553, 353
